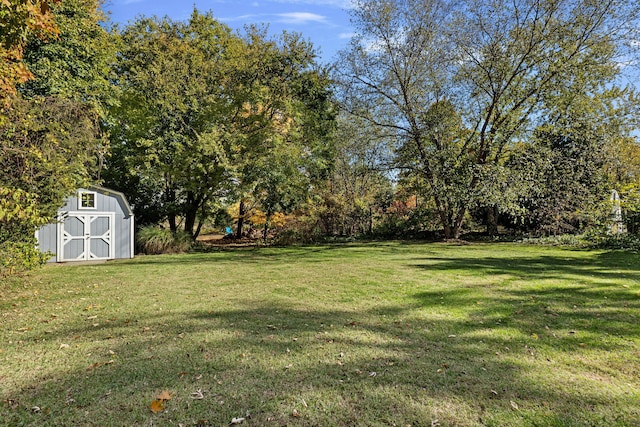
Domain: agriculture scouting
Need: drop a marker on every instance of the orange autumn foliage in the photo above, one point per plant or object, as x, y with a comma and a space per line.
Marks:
19, 20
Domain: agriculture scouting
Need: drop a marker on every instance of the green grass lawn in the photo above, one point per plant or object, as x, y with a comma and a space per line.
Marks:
375, 334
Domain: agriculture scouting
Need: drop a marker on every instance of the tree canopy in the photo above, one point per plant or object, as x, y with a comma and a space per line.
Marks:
207, 114
500, 66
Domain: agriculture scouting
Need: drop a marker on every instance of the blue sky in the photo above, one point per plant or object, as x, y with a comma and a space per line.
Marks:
324, 22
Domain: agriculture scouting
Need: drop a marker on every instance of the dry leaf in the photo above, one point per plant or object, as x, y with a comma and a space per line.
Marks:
156, 406
514, 405
165, 395
295, 413
238, 420
197, 394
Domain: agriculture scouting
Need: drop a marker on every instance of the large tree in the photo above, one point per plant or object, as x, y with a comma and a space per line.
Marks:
48, 137
458, 83
202, 109
169, 135
285, 132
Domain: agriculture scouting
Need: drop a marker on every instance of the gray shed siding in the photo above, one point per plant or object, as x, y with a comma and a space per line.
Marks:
110, 225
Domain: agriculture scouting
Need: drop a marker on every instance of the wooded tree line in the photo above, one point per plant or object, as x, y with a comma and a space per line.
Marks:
440, 115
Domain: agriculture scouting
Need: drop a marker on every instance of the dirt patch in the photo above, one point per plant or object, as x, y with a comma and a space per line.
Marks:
218, 239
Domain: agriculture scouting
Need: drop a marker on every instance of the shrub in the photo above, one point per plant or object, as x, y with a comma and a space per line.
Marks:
18, 257
154, 240
572, 240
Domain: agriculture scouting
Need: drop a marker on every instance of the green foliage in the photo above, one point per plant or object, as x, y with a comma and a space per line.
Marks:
169, 151
244, 117
76, 64
630, 204
629, 242
595, 239
154, 240
19, 20
456, 85
19, 256
50, 132
19, 217
45, 148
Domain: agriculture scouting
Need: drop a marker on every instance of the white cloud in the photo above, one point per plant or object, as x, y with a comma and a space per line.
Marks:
300, 18
346, 4
346, 35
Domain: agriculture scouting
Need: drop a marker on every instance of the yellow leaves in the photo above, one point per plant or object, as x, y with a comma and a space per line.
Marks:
156, 406
24, 18
158, 403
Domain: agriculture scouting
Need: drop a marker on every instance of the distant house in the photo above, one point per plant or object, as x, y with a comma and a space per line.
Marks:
94, 224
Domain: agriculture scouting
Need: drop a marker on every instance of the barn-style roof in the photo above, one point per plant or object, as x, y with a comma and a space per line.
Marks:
120, 196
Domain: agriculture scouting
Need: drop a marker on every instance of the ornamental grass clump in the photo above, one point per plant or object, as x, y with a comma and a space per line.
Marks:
155, 240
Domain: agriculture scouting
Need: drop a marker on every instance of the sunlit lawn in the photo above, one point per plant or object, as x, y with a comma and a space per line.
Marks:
375, 334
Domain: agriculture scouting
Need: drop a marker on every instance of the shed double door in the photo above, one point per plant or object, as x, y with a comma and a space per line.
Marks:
85, 236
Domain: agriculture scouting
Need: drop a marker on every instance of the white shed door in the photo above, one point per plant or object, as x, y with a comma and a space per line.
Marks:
84, 236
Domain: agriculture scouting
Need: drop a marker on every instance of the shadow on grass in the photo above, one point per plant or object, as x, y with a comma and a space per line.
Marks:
552, 355
292, 366
608, 265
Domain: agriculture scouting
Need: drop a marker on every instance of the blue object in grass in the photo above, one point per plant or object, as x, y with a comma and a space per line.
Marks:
228, 230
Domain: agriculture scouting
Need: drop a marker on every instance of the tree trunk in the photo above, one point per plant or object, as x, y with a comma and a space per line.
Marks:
241, 213
191, 213
492, 220
453, 226
170, 196
265, 231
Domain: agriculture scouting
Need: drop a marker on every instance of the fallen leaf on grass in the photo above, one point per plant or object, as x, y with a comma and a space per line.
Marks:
165, 395
238, 420
12, 403
295, 413
156, 406
198, 394
514, 405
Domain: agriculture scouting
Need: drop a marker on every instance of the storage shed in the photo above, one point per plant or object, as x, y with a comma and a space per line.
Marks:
94, 224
